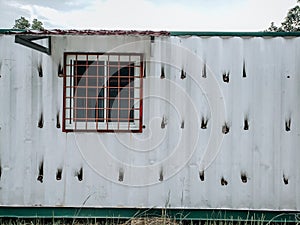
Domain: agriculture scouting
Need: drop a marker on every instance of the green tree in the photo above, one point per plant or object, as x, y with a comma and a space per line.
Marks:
37, 25
274, 28
21, 23
291, 22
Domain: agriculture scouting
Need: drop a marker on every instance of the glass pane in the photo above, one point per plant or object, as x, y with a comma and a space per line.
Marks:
113, 81
100, 110
113, 92
80, 80
124, 103
92, 70
92, 81
80, 92
91, 113
80, 113
91, 103
113, 103
113, 70
101, 81
124, 113
131, 115
80, 103
101, 93
113, 114
80, 67
92, 92
124, 93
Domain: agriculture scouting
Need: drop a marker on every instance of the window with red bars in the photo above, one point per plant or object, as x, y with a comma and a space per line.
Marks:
103, 92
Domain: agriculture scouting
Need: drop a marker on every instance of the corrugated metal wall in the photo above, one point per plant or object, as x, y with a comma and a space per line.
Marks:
231, 135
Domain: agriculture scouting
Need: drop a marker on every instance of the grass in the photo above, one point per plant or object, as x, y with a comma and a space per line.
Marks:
144, 219
133, 221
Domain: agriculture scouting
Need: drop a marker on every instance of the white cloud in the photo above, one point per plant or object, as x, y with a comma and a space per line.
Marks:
259, 14
247, 15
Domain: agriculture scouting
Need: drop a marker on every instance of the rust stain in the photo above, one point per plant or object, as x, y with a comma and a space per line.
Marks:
92, 32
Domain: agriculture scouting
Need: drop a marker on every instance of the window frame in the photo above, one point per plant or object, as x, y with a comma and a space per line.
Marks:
135, 126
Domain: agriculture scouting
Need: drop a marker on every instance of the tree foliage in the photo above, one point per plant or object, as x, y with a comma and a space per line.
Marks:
23, 23
291, 22
37, 25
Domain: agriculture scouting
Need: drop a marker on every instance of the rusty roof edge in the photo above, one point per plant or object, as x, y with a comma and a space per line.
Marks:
147, 33
84, 32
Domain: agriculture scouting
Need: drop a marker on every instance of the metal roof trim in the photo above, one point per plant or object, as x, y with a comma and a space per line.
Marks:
7, 31
233, 34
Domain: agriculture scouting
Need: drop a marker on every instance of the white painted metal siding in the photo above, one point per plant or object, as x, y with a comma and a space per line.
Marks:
161, 166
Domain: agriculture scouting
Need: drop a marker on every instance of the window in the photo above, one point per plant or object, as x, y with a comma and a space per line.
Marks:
103, 92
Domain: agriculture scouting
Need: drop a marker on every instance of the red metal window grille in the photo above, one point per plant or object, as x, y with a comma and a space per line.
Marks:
103, 92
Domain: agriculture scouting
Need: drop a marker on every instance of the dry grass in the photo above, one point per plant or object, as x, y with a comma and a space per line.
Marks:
151, 221
133, 221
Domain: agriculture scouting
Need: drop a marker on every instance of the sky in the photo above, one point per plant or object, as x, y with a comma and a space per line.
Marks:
169, 15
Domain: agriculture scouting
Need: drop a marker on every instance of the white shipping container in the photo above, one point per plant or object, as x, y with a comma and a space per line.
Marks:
215, 121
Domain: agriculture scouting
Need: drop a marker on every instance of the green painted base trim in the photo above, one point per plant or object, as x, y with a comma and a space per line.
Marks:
238, 34
127, 213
